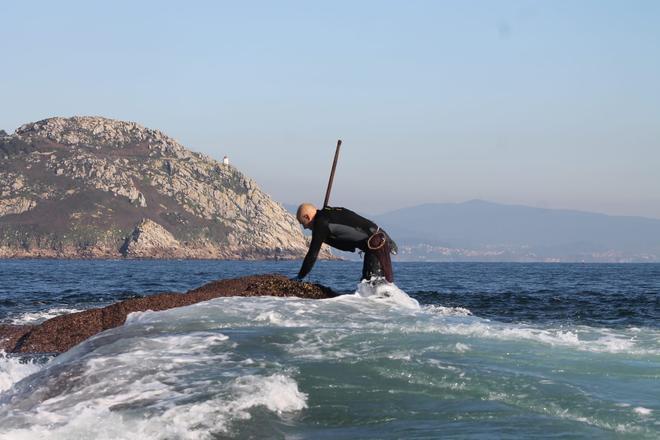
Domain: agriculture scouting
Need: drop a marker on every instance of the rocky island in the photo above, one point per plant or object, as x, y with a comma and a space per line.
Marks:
92, 187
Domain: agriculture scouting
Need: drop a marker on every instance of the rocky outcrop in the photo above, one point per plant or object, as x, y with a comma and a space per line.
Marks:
59, 334
149, 239
86, 187
16, 205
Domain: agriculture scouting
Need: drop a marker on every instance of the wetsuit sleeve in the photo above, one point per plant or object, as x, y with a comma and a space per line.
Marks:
319, 234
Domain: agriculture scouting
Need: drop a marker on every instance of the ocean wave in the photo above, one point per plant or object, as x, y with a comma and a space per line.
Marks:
154, 386
38, 317
448, 311
582, 338
232, 364
377, 289
120, 417
15, 368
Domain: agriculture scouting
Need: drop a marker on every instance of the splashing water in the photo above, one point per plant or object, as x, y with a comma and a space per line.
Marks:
13, 369
373, 364
377, 289
31, 318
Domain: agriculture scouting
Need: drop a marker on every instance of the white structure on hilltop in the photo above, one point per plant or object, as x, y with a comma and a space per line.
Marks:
225, 160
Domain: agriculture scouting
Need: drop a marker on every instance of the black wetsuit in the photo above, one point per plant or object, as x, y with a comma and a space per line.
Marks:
343, 229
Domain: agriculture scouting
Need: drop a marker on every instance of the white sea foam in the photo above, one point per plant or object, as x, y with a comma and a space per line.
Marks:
323, 344
363, 311
448, 311
462, 348
642, 411
13, 369
400, 355
580, 338
277, 319
41, 316
186, 386
194, 372
278, 393
377, 289
102, 418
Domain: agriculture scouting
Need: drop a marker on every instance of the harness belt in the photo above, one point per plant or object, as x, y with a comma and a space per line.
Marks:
377, 240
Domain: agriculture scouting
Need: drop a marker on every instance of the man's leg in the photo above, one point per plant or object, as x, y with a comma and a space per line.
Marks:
371, 266
383, 256
379, 246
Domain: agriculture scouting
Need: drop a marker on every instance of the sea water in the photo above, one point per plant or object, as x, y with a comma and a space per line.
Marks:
449, 351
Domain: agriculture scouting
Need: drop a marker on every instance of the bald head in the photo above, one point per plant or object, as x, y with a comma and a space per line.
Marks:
305, 214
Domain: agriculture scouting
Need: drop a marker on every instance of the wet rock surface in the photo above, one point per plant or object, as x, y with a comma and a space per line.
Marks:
59, 334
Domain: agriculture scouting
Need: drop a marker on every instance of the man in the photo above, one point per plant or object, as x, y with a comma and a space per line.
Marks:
345, 230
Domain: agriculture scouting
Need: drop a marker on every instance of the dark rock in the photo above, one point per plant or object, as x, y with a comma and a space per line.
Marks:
11, 335
59, 334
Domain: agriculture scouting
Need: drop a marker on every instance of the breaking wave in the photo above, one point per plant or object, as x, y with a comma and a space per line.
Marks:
253, 367
32, 318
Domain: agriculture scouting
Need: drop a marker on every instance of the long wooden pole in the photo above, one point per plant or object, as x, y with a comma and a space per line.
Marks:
332, 174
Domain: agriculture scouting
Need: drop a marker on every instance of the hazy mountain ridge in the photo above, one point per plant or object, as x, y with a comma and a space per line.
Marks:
484, 231
96, 187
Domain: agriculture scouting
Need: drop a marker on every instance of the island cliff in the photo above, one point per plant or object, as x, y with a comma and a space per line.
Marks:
92, 187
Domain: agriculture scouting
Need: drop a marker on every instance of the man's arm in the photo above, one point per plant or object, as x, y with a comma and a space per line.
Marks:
319, 235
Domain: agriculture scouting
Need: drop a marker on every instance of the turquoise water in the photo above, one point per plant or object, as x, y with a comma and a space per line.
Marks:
374, 363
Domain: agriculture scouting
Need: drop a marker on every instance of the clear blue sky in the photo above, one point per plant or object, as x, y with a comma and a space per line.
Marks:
553, 104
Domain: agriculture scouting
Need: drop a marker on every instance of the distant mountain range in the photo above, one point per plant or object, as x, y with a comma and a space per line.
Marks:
483, 231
